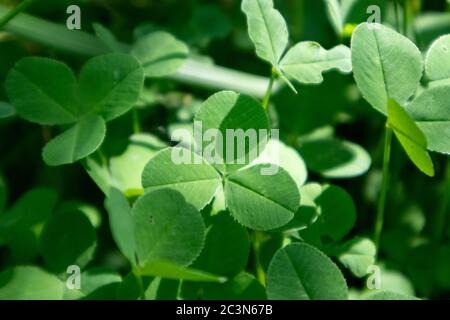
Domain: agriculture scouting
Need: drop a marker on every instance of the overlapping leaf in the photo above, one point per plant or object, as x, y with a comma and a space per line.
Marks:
410, 136
167, 228
228, 118
437, 61
306, 61
301, 272
160, 53
431, 112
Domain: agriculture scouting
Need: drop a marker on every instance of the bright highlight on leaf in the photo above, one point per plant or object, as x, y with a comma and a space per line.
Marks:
431, 112
267, 29
306, 61
385, 65
437, 61
160, 54
410, 136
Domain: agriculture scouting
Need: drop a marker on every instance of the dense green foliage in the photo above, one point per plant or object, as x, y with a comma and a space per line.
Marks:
90, 122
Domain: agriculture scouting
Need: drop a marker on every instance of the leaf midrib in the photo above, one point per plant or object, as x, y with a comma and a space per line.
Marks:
276, 59
58, 104
261, 195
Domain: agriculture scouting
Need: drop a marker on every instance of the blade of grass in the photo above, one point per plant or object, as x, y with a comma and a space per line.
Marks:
14, 12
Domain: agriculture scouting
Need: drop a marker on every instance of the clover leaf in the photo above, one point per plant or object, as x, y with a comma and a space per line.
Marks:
301, 272
46, 91
305, 62
385, 65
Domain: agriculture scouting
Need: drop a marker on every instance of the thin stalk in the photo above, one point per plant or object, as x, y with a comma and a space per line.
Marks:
442, 219
384, 188
136, 123
140, 282
405, 17
266, 100
397, 15
260, 274
15, 11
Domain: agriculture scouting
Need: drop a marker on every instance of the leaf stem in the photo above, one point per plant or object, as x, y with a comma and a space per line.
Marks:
266, 100
441, 219
15, 11
138, 276
260, 274
397, 15
136, 123
384, 188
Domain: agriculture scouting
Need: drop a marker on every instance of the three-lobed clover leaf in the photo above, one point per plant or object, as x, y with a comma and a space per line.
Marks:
249, 194
410, 137
305, 62
46, 91
301, 272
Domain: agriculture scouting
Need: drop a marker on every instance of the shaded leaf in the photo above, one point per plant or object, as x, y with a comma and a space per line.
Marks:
68, 238
167, 228
301, 272
6, 110
220, 255
43, 91
334, 158
110, 84
76, 143
229, 112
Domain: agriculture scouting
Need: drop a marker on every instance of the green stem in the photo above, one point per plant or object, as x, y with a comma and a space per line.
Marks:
384, 188
260, 274
441, 219
266, 100
405, 17
136, 123
140, 282
15, 11
397, 15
